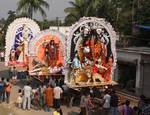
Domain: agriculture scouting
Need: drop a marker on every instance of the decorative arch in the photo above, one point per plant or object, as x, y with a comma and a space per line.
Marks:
37, 48
95, 27
20, 30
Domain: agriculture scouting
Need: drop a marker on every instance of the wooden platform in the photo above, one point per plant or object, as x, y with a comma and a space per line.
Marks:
125, 96
98, 84
42, 77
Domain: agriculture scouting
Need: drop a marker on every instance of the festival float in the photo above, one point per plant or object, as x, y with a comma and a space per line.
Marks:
91, 53
19, 34
47, 54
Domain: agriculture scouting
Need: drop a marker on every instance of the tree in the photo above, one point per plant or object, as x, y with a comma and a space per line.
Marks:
2, 22
28, 7
11, 17
142, 12
78, 9
45, 24
122, 14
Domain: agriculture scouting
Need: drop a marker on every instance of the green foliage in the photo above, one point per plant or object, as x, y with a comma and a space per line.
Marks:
122, 14
77, 10
142, 12
28, 7
43, 24
11, 17
46, 24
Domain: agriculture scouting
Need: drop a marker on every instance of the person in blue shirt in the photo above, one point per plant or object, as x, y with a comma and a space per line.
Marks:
2, 90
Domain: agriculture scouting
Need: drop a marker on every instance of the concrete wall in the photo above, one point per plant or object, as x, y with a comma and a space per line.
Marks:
145, 63
135, 58
142, 62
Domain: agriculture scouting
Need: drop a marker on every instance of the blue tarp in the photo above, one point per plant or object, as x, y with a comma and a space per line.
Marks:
142, 26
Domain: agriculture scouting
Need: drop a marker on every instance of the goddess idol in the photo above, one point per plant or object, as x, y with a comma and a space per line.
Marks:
22, 49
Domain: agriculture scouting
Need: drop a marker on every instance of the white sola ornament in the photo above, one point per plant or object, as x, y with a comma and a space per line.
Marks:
47, 51
18, 36
94, 30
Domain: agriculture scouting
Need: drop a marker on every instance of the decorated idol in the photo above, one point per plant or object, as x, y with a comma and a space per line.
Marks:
48, 49
19, 34
93, 41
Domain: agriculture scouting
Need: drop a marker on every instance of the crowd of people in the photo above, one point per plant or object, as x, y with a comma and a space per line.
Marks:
52, 93
94, 102
46, 96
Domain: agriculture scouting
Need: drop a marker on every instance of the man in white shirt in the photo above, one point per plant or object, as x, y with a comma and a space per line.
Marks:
27, 96
57, 95
106, 105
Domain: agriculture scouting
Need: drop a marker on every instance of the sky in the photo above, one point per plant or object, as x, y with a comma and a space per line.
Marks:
56, 8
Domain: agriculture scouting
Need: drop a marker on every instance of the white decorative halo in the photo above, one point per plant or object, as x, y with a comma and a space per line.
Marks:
13, 29
34, 49
98, 23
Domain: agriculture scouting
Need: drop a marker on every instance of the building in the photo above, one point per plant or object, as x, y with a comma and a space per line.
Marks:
63, 29
133, 69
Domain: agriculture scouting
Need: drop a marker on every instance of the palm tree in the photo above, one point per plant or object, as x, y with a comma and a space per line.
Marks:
28, 7
80, 8
121, 13
76, 10
92, 7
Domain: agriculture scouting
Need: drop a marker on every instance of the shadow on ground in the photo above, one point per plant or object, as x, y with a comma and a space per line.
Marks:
4, 73
73, 113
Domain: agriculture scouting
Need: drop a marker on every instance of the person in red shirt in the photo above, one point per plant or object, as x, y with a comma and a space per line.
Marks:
8, 90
